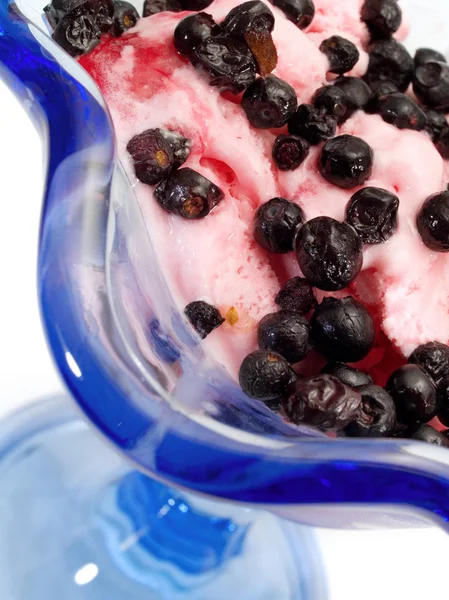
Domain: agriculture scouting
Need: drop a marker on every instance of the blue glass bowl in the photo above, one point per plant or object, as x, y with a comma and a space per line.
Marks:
99, 279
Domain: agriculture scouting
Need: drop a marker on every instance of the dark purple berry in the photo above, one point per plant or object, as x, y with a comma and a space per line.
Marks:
188, 194
342, 329
443, 144
358, 93
346, 161
373, 212
125, 17
377, 417
195, 4
100, 10
433, 357
193, 30
436, 125
329, 253
227, 61
179, 144
402, 112
77, 34
204, 317
414, 395
443, 400
312, 124
426, 433
425, 55
297, 295
253, 16
431, 85
152, 156
390, 61
153, 7
379, 89
285, 332
333, 101
289, 152
433, 222
322, 401
382, 17
58, 9
347, 375
276, 224
341, 54
300, 12
269, 102
264, 375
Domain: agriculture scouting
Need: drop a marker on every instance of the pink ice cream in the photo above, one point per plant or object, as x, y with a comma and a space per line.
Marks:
148, 85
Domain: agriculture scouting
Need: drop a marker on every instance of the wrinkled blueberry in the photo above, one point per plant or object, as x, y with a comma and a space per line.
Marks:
163, 345
153, 7
289, 152
77, 34
285, 332
414, 395
433, 222
342, 329
195, 4
58, 9
179, 144
341, 54
390, 61
312, 124
347, 375
402, 112
269, 102
300, 12
379, 89
329, 253
297, 295
276, 224
264, 375
358, 93
333, 101
322, 401
152, 156
425, 55
426, 433
227, 61
382, 17
373, 212
253, 16
125, 17
436, 125
192, 30
204, 317
431, 85
188, 194
101, 11
433, 357
346, 161
377, 416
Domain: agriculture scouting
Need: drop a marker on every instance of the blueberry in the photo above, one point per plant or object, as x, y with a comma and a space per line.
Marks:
402, 112
346, 161
431, 85
433, 222
425, 55
443, 400
436, 125
264, 375
276, 224
297, 295
312, 124
77, 34
426, 433
382, 17
443, 144
253, 16
377, 417
433, 357
300, 12
192, 30
179, 144
269, 102
152, 156
333, 101
379, 89
289, 152
194, 4
163, 345
153, 7
347, 375
358, 93
322, 401
101, 12
329, 253
390, 61
414, 395
58, 9
204, 317
188, 194
125, 17
342, 329
285, 332
227, 61
373, 212
341, 54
